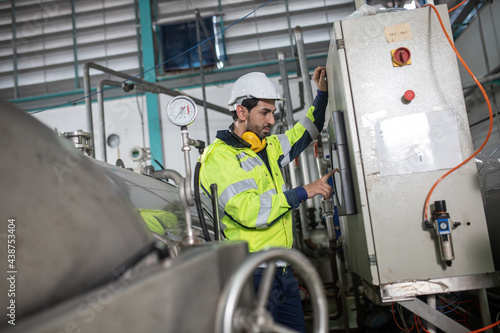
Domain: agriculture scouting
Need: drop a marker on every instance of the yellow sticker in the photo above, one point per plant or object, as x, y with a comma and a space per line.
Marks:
397, 33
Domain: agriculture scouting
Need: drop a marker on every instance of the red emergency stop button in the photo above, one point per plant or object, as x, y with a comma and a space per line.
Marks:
408, 96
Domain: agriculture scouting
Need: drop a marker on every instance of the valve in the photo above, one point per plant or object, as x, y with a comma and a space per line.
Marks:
401, 57
443, 226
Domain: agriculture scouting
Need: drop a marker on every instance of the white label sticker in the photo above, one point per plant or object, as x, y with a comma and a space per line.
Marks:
417, 143
397, 33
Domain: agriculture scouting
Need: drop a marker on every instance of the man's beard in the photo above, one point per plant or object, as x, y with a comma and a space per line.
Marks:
259, 130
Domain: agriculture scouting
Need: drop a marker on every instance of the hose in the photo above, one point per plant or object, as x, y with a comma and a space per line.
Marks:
197, 200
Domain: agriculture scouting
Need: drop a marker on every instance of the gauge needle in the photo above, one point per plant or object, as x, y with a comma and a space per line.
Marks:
179, 113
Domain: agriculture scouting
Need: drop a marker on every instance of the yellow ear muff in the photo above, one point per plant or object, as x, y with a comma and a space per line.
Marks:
254, 140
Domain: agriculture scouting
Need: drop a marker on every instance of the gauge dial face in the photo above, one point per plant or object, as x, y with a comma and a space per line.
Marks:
181, 111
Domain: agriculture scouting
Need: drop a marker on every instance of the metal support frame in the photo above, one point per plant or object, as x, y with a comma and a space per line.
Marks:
485, 309
433, 316
408, 290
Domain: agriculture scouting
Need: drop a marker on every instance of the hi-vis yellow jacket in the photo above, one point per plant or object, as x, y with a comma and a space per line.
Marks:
253, 196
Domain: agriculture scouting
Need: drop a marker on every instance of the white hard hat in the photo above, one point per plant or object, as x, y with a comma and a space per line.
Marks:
254, 84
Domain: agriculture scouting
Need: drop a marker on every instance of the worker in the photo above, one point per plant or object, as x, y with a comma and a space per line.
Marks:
245, 162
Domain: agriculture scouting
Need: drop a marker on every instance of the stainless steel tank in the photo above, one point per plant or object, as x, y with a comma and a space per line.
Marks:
67, 224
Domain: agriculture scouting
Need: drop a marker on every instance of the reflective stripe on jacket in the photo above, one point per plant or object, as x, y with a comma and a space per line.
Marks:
251, 195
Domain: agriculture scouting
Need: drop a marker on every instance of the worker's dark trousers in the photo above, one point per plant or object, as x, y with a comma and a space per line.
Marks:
284, 299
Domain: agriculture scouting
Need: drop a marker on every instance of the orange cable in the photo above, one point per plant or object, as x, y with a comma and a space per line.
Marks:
394, 316
476, 331
460, 4
418, 319
415, 320
486, 328
489, 110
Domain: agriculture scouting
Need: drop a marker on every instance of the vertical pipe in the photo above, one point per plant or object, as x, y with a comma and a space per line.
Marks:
202, 73
485, 309
188, 195
186, 148
431, 301
100, 103
487, 64
288, 107
289, 23
483, 44
88, 104
14, 48
290, 123
343, 291
304, 70
75, 47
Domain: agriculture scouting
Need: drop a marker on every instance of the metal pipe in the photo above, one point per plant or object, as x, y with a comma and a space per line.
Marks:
483, 43
485, 309
486, 78
343, 290
186, 148
181, 182
288, 108
100, 104
158, 89
431, 301
147, 86
290, 122
202, 73
487, 63
304, 70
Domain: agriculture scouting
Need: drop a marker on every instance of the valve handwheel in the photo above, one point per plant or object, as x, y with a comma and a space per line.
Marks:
231, 317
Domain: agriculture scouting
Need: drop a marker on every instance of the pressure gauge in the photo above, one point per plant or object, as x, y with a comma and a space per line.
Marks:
181, 111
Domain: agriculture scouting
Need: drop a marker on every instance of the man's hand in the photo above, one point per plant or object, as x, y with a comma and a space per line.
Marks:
320, 186
320, 78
